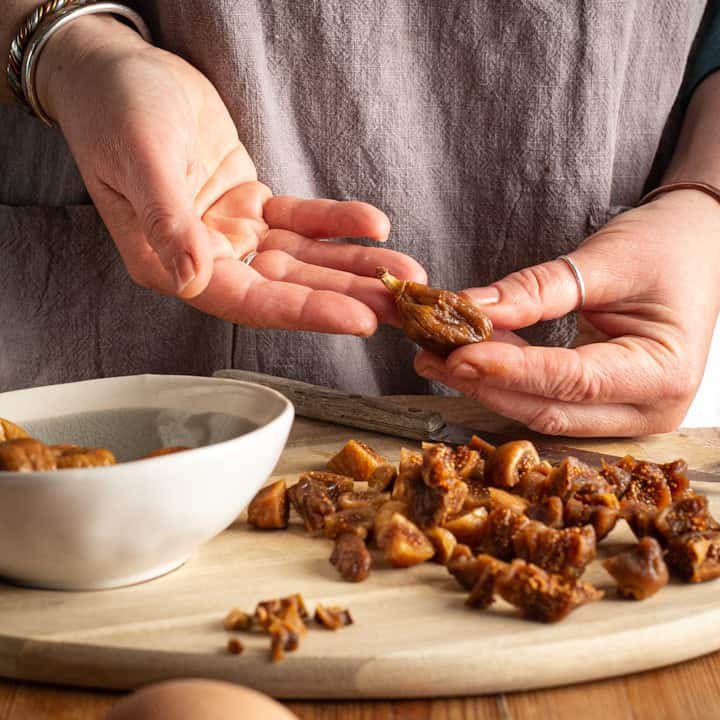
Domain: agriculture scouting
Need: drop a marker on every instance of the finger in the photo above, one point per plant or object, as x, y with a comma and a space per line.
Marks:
550, 290
241, 295
500, 336
327, 218
356, 259
245, 200
622, 371
238, 216
163, 204
236, 168
279, 266
554, 417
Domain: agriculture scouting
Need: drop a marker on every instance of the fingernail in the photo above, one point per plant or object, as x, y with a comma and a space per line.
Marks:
183, 269
465, 370
483, 296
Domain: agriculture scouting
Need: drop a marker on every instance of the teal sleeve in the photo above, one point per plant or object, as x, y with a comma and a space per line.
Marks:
707, 60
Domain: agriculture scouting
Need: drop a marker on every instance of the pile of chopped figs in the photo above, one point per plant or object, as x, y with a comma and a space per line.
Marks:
503, 521
21, 453
285, 620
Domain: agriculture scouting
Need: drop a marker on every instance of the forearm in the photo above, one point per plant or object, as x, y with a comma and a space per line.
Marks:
697, 156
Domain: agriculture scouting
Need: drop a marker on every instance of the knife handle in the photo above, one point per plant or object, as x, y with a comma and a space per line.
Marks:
358, 411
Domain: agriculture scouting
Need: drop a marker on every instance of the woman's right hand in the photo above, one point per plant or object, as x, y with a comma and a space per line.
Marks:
162, 161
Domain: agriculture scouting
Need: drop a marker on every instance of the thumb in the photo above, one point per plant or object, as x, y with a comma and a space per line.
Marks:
541, 292
185, 246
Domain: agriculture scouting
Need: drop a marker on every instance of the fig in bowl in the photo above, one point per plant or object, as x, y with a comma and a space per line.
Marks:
139, 472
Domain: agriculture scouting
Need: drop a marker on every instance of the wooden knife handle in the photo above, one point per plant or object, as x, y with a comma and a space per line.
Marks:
358, 411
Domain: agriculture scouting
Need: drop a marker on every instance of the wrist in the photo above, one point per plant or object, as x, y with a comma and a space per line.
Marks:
65, 59
691, 201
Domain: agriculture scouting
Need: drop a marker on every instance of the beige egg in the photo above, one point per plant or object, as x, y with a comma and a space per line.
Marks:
198, 700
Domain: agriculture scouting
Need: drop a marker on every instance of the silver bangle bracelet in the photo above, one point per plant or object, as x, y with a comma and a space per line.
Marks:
17, 47
47, 29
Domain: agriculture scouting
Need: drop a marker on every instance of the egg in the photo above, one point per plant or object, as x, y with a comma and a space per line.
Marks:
198, 700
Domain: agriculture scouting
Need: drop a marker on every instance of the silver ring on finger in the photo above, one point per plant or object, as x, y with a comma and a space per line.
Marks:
249, 257
578, 280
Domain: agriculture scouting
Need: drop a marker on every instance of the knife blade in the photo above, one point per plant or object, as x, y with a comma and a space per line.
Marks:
391, 418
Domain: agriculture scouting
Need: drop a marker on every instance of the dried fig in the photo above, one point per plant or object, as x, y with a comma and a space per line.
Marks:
439, 321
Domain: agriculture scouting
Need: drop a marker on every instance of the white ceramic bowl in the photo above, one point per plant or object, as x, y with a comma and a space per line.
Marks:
91, 528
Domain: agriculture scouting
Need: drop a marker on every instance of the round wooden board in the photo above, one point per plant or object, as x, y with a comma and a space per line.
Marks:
413, 636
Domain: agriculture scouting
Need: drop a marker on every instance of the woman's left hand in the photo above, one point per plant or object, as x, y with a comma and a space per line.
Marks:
652, 282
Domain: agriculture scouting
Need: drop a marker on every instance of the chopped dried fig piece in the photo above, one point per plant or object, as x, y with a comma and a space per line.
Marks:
285, 636
270, 509
510, 461
478, 496
601, 517
235, 646
676, 475
540, 595
26, 455
639, 572
437, 320
409, 469
573, 478
358, 522
267, 609
284, 620
362, 499
444, 543
648, 487
383, 517
438, 467
11, 431
641, 521
482, 594
533, 486
362, 463
164, 451
335, 485
351, 557
311, 501
500, 527
236, 619
684, 516
439, 492
467, 570
333, 618
74, 456
562, 552
468, 528
499, 498
550, 511
543, 467
468, 464
618, 478
695, 556
485, 448
404, 544
461, 552
627, 463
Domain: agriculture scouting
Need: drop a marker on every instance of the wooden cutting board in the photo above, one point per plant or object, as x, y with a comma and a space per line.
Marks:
413, 636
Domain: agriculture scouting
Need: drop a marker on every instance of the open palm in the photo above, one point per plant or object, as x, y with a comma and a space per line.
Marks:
162, 160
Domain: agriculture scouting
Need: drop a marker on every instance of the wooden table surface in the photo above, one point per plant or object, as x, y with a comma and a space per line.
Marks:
690, 690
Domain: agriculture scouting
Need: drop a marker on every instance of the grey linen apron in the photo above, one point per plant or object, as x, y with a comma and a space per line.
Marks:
495, 135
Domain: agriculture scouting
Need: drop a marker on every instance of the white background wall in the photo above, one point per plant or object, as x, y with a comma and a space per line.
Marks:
705, 410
